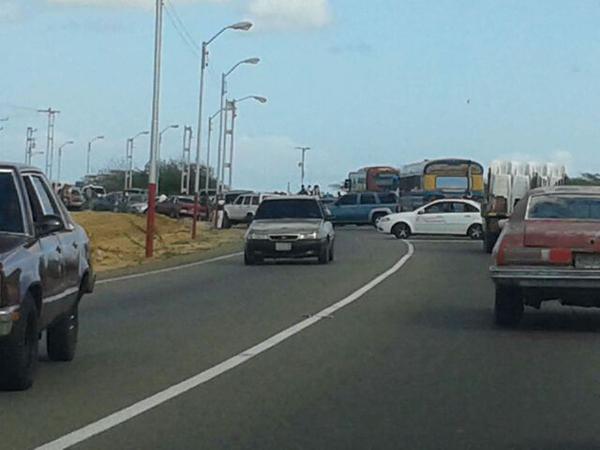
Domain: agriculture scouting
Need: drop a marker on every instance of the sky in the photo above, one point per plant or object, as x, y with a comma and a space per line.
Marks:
361, 82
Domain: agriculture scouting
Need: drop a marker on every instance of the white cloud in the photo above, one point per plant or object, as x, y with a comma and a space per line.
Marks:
286, 14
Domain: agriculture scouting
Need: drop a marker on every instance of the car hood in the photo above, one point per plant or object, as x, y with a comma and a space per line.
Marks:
402, 215
9, 242
286, 226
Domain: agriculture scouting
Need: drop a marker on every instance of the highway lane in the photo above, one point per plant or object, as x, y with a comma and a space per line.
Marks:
416, 363
141, 335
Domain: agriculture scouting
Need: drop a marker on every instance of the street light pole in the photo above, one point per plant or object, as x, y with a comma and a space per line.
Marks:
240, 26
233, 105
129, 157
302, 164
170, 127
221, 147
89, 151
154, 136
60, 158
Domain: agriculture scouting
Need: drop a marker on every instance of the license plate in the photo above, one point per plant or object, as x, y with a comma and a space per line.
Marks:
587, 261
283, 246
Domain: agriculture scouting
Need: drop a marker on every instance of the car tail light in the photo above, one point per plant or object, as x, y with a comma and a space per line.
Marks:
534, 256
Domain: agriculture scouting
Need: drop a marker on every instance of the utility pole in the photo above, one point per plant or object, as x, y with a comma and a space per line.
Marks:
302, 163
49, 139
186, 168
154, 134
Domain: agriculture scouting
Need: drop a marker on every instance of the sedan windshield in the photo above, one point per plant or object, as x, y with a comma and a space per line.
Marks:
564, 207
11, 220
289, 209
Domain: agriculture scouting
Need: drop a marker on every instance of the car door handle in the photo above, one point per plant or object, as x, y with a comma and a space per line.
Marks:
75, 245
59, 250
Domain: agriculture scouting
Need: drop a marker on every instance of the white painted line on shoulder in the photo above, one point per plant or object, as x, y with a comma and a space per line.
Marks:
159, 398
169, 269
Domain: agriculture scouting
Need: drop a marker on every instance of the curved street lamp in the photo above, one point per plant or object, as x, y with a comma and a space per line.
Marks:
221, 147
239, 26
60, 157
89, 151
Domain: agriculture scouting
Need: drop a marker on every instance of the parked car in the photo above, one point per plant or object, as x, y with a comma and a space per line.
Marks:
290, 227
244, 208
45, 269
92, 192
548, 250
231, 196
134, 203
72, 197
110, 202
443, 217
180, 205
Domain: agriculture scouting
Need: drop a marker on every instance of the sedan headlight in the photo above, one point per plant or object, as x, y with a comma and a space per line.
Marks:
385, 219
312, 235
255, 236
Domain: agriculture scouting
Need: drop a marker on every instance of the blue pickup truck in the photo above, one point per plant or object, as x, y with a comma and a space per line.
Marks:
363, 207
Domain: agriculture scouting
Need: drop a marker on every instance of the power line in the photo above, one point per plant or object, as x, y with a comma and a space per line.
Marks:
183, 27
181, 30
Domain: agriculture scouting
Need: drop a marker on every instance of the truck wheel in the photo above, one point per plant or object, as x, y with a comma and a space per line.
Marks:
249, 258
61, 338
508, 308
475, 232
489, 240
19, 352
324, 254
401, 231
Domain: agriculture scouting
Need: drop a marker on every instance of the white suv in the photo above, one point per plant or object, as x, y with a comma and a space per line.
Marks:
244, 208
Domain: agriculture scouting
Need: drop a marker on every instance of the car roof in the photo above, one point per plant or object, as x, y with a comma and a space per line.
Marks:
19, 167
290, 197
463, 200
594, 190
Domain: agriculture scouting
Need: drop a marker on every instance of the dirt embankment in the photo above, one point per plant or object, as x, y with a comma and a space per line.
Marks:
118, 240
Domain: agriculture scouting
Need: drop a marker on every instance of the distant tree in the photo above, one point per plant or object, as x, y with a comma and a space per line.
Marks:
113, 177
586, 179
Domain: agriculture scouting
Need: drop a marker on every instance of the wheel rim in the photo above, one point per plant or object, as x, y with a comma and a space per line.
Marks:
476, 233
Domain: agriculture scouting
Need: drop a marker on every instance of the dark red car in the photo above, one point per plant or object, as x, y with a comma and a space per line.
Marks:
180, 205
549, 250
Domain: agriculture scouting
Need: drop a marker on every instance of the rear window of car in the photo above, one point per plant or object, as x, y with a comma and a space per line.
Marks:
11, 219
569, 207
289, 209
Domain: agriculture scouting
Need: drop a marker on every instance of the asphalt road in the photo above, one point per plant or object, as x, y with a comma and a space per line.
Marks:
414, 363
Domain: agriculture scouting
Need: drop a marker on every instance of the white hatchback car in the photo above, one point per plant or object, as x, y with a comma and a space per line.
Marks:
456, 217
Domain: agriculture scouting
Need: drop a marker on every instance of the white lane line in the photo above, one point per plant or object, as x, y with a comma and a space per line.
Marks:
169, 269
445, 241
155, 400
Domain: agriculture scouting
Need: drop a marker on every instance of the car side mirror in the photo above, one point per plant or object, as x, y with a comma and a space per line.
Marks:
49, 224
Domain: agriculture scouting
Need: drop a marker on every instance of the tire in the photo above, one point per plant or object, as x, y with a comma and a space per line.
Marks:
61, 338
508, 308
489, 241
173, 214
250, 259
324, 254
376, 217
475, 232
226, 222
401, 231
19, 352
